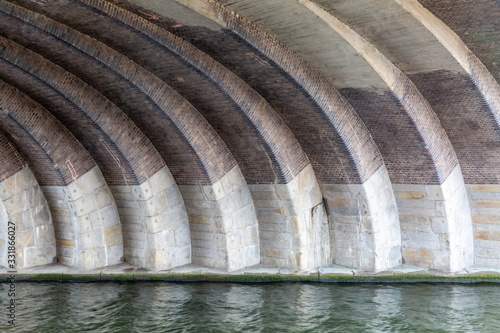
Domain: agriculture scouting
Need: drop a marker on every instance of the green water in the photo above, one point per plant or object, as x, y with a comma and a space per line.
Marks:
283, 307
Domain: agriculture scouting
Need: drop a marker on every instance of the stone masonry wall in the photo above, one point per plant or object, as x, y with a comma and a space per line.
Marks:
485, 207
436, 228
364, 226
86, 222
24, 205
224, 230
293, 225
154, 222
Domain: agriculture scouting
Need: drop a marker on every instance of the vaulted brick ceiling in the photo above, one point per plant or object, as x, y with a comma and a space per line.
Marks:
291, 133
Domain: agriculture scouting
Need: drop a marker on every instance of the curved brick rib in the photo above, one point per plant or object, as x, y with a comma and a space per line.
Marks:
458, 225
484, 79
122, 150
212, 153
226, 221
283, 149
85, 217
481, 76
361, 152
289, 162
23, 206
368, 192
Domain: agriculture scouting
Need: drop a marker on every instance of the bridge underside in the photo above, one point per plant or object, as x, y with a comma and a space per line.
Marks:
293, 134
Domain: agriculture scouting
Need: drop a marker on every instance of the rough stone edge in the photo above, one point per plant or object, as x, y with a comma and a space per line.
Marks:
425, 277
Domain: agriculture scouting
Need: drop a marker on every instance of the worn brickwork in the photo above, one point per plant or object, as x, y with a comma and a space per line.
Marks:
403, 150
444, 159
137, 92
315, 133
55, 155
362, 154
10, 160
405, 156
117, 145
308, 122
476, 23
468, 121
262, 144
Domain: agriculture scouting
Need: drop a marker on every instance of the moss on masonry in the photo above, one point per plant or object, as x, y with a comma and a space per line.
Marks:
255, 278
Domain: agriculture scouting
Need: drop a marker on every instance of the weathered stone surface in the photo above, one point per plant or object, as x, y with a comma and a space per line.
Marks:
86, 222
371, 216
24, 207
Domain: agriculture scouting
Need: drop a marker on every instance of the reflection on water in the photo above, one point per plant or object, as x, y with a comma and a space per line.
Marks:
284, 307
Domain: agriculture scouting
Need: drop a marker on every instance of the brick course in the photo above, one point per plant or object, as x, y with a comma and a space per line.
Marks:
56, 157
11, 161
119, 147
262, 144
468, 121
192, 149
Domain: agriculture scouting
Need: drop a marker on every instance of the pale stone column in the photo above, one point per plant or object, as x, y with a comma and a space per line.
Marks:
436, 224
88, 227
22, 202
224, 230
364, 226
293, 223
155, 223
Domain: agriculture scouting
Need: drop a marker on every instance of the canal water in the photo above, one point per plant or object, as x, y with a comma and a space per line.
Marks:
283, 307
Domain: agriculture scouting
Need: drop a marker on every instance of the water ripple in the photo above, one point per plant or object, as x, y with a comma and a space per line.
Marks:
284, 307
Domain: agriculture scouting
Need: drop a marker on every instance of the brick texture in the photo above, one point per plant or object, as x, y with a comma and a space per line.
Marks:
296, 95
262, 144
10, 160
405, 156
191, 148
476, 23
468, 120
123, 153
56, 157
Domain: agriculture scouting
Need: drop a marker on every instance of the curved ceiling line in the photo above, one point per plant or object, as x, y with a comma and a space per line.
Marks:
369, 174
435, 138
31, 218
49, 145
214, 158
98, 113
362, 153
416, 106
481, 76
114, 130
182, 114
282, 145
30, 124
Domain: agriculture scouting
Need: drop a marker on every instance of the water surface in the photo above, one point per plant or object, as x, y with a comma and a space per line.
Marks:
282, 307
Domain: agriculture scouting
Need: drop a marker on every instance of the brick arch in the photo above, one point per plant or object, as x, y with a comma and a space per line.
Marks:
443, 162
186, 131
480, 74
264, 147
71, 181
462, 31
126, 157
23, 206
358, 161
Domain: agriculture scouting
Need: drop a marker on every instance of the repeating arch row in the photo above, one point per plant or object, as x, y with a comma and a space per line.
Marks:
249, 184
